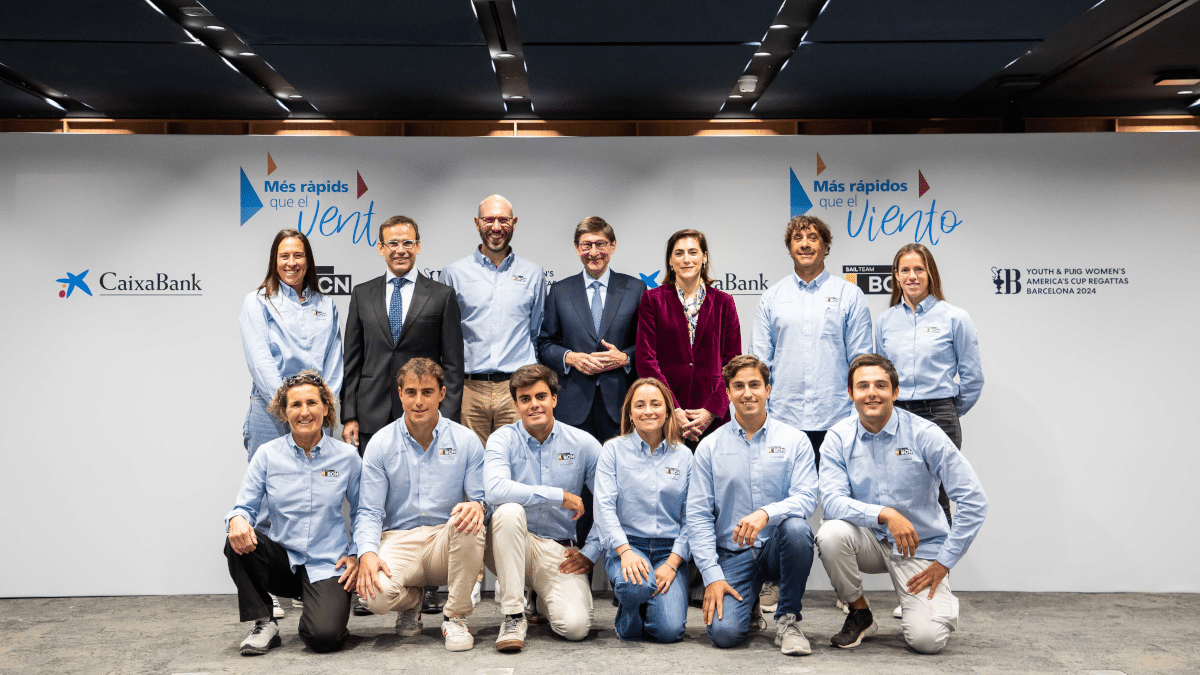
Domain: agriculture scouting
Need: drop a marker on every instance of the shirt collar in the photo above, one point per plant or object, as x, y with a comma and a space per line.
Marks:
504, 264
288, 291
815, 283
587, 280
528, 438
889, 429
411, 276
438, 428
316, 449
741, 431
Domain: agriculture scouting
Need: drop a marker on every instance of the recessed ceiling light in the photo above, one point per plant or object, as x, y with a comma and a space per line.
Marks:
516, 97
215, 27
295, 96
1187, 92
779, 26
195, 11
245, 53
735, 96
762, 53
505, 55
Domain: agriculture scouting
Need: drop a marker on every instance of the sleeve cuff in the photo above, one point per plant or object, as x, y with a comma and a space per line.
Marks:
591, 552
233, 514
714, 573
774, 513
681, 549
872, 514
947, 560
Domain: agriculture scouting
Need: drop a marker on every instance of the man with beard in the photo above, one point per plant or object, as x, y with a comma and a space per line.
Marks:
501, 298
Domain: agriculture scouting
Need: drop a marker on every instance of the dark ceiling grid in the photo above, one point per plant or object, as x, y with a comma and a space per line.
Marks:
785, 32
49, 101
498, 22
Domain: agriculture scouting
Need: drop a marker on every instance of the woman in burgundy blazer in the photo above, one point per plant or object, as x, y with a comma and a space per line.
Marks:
691, 367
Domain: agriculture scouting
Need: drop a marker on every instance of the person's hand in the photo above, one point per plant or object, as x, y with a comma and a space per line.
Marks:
369, 567
929, 577
467, 517
714, 598
242, 537
634, 568
747, 529
612, 358
350, 576
902, 531
665, 573
574, 562
350, 432
681, 418
573, 503
698, 421
584, 363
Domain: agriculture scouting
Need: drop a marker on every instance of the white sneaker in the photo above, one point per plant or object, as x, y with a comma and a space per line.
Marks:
458, 636
769, 597
408, 622
757, 622
263, 637
297, 604
898, 612
476, 594
276, 608
789, 638
842, 606
512, 634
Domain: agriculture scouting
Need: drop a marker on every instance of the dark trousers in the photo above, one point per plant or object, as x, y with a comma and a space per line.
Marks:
944, 413
363, 439
602, 427
266, 570
816, 438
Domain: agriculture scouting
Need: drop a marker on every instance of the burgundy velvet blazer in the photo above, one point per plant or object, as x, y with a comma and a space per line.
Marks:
692, 372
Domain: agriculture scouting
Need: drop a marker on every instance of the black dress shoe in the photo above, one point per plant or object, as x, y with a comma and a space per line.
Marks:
431, 603
359, 608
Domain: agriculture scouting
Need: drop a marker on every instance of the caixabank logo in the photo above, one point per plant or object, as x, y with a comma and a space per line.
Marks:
324, 205
121, 284
886, 207
730, 282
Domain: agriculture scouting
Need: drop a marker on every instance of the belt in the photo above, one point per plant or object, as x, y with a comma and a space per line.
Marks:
565, 543
490, 377
929, 401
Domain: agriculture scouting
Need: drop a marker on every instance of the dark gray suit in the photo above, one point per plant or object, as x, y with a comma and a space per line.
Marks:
567, 326
432, 328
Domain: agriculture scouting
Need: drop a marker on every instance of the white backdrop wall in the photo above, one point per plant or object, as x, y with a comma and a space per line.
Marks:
125, 407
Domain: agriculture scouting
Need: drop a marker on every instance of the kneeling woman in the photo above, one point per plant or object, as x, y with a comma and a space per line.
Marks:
305, 475
640, 499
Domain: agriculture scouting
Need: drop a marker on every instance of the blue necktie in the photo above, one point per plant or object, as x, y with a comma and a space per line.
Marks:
597, 306
396, 309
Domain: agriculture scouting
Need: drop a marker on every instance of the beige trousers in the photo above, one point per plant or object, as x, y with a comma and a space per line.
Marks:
847, 551
431, 555
520, 559
487, 406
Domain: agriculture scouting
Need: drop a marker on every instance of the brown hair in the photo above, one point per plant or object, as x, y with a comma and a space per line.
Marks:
800, 223
279, 402
669, 280
935, 279
271, 282
399, 220
527, 376
866, 360
593, 224
420, 368
671, 432
739, 363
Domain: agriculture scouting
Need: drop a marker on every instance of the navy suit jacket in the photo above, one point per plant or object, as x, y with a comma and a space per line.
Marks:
567, 327
432, 329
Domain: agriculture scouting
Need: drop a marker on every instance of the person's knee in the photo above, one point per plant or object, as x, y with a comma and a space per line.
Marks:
796, 530
508, 515
633, 595
666, 632
927, 638
573, 626
725, 634
833, 535
326, 639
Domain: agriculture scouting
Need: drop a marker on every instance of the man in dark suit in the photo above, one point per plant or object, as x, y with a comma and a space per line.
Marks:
393, 318
588, 334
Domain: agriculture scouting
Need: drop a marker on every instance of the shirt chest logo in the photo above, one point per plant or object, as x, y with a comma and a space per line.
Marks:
566, 457
330, 476
319, 314
933, 330
904, 455
672, 473
447, 454
519, 279
776, 452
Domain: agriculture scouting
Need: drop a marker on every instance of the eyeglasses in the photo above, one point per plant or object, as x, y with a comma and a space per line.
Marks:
585, 246
408, 244
503, 221
304, 378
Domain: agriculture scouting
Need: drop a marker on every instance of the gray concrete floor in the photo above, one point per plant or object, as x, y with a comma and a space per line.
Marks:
999, 633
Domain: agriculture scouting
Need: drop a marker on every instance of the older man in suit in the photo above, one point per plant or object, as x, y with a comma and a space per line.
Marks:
393, 318
587, 338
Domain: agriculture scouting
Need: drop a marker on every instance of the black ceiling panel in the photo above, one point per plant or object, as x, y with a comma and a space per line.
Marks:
392, 82
633, 82
894, 20
1120, 80
112, 21
881, 80
142, 80
18, 103
351, 22
669, 21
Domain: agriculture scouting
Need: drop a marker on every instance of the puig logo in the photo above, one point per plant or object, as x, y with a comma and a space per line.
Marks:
1007, 281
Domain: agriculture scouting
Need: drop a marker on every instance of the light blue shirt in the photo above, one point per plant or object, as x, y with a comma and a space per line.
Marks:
901, 467
535, 475
642, 492
405, 486
282, 336
501, 311
807, 334
406, 292
929, 347
304, 497
733, 476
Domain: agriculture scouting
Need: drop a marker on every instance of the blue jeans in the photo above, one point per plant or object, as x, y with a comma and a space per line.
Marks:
786, 558
642, 614
260, 427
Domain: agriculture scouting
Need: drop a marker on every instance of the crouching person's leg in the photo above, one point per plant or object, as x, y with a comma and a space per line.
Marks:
326, 612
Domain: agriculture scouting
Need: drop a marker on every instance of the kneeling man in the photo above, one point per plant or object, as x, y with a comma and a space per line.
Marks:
880, 472
534, 471
422, 487
753, 484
